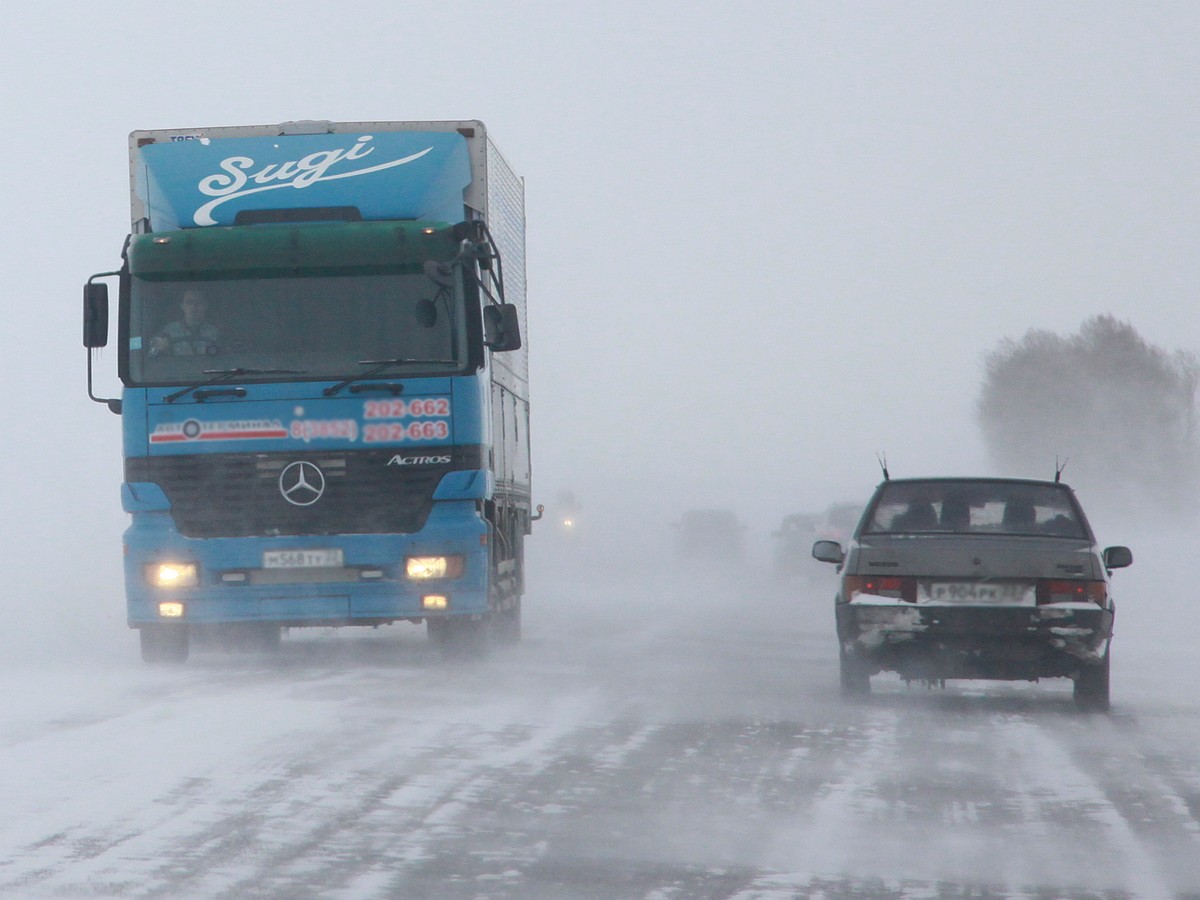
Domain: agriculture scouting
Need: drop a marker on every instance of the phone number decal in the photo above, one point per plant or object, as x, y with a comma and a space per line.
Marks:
400, 409
395, 432
308, 430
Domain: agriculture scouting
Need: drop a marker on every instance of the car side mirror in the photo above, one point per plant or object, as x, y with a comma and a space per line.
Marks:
828, 551
95, 314
1117, 557
501, 331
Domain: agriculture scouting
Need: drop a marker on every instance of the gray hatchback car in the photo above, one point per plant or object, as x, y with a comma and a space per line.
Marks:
989, 578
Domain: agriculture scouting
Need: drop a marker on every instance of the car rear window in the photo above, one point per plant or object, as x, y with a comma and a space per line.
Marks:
968, 507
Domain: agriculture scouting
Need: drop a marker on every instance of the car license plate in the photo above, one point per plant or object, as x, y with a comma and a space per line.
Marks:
979, 593
302, 559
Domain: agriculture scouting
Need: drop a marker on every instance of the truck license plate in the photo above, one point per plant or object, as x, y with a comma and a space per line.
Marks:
302, 559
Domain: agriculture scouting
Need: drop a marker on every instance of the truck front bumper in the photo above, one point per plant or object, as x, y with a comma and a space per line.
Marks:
368, 585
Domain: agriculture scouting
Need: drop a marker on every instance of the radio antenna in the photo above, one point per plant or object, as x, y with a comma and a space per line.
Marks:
882, 457
1058, 468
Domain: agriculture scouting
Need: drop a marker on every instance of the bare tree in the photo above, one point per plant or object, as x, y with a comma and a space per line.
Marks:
1122, 409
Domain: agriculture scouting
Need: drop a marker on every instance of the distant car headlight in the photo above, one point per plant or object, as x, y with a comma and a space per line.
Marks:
423, 568
172, 575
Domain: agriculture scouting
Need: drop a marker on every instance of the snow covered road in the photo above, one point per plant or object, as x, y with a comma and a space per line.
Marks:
651, 738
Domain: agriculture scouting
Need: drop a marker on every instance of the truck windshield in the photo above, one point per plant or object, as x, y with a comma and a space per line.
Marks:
322, 326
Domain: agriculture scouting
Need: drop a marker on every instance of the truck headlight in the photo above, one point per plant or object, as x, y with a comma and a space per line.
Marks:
423, 568
172, 575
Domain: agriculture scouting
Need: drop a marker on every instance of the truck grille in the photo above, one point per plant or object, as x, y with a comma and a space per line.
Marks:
238, 495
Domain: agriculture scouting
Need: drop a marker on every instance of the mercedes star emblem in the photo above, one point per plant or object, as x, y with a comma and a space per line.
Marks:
302, 483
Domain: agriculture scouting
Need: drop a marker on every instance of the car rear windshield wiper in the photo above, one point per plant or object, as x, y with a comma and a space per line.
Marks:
220, 375
382, 365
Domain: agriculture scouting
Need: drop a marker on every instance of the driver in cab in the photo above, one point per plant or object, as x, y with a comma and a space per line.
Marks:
190, 335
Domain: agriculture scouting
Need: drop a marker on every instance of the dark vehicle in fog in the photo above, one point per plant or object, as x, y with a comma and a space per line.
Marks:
838, 522
793, 540
709, 536
796, 533
985, 578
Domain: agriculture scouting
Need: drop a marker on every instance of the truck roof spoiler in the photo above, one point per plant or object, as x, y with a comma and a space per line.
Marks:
306, 126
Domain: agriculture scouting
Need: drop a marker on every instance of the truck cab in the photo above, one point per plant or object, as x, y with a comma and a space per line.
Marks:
324, 400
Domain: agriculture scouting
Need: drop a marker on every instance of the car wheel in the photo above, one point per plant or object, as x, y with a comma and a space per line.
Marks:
856, 679
164, 644
1091, 686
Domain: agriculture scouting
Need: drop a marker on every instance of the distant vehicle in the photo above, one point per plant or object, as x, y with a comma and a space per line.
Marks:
986, 578
709, 535
839, 521
567, 511
793, 541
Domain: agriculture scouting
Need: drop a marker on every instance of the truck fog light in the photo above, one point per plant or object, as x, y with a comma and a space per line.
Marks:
435, 601
170, 610
172, 575
422, 568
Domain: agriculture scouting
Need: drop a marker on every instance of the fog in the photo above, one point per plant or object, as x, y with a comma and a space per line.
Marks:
765, 244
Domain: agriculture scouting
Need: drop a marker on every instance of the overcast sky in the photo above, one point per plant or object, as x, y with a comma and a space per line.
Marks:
765, 240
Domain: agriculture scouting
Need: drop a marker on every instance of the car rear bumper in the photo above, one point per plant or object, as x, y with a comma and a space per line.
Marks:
927, 642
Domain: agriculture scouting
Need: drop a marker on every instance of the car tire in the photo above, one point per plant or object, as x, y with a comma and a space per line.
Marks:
164, 644
855, 677
1091, 686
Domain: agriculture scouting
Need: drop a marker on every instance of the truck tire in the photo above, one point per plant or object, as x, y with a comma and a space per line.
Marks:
164, 644
1091, 686
855, 678
506, 624
254, 637
459, 638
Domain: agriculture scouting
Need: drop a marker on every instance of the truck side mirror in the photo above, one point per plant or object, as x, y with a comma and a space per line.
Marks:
95, 314
501, 331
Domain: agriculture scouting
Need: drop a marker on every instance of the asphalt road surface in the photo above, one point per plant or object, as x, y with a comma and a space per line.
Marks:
656, 735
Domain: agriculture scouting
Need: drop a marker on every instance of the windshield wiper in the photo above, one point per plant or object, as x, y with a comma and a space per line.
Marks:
382, 365
220, 375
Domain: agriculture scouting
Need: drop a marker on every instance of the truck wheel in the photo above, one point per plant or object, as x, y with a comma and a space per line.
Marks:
506, 624
438, 631
256, 637
856, 680
164, 644
459, 638
1091, 686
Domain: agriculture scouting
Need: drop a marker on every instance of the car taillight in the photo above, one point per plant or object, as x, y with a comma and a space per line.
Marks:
880, 586
1068, 591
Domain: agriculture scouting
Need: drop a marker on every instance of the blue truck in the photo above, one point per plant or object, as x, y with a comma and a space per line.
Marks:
324, 383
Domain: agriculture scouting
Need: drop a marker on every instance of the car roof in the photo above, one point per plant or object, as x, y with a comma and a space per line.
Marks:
988, 479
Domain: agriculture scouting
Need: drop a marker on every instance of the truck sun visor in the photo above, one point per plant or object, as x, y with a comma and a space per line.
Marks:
290, 249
